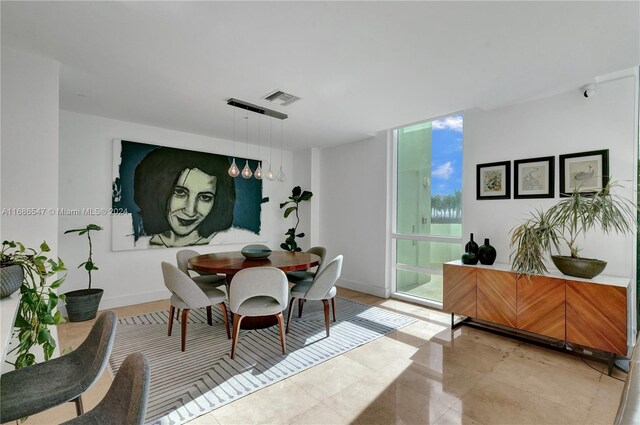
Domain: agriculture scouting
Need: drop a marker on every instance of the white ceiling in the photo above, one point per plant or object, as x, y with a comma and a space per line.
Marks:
359, 67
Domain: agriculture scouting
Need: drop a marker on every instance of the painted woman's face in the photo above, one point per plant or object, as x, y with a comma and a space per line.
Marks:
191, 200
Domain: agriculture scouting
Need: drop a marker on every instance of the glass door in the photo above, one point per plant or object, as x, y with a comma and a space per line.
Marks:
428, 206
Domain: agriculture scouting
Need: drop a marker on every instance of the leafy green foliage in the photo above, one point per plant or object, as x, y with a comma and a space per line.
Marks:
88, 265
38, 300
566, 222
297, 196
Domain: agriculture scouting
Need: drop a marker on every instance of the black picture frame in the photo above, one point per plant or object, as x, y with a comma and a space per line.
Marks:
534, 178
588, 169
493, 180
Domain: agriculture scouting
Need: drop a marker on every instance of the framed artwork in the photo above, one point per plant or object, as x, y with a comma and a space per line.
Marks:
587, 172
533, 178
168, 198
493, 180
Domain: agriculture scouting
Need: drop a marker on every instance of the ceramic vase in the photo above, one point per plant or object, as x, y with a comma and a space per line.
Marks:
486, 253
469, 258
471, 246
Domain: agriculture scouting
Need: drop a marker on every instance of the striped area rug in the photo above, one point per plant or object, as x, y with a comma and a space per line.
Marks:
203, 378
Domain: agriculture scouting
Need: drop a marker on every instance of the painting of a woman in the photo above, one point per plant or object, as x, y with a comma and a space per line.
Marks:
185, 197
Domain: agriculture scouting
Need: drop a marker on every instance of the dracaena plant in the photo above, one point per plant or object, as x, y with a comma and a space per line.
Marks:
297, 196
38, 299
88, 265
565, 223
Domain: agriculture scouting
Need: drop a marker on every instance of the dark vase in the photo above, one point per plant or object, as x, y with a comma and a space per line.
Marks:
471, 246
486, 253
469, 258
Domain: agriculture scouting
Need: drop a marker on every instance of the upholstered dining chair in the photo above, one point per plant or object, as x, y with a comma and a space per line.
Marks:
295, 277
258, 291
322, 288
126, 399
187, 295
38, 387
204, 281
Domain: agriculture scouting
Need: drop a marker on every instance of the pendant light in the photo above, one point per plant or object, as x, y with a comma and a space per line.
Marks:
270, 174
281, 177
258, 173
233, 170
246, 171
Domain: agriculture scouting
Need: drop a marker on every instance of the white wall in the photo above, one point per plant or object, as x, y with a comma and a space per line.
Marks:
29, 147
353, 211
130, 277
561, 124
29, 156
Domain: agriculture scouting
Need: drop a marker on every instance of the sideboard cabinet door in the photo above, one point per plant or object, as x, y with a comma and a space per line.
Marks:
597, 316
497, 296
541, 305
459, 290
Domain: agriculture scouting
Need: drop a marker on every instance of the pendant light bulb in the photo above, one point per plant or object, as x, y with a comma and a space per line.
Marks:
233, 170
270, 175
281, 177
258, 173
246, 171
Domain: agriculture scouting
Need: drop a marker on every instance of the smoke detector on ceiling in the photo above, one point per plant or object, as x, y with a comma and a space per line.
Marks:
281, 98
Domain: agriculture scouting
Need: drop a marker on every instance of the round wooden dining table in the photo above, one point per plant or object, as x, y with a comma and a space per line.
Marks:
230, 263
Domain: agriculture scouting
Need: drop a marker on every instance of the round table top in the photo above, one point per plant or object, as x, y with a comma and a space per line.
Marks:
233, 262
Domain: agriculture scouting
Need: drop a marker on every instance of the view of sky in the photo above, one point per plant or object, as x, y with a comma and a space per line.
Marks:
446, 171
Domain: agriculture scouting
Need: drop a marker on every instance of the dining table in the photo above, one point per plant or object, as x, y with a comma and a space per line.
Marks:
230, 263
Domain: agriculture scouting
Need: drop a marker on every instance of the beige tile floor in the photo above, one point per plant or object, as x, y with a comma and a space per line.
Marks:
421, 374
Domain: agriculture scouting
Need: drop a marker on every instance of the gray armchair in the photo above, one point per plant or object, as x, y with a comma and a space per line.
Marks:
33, 389
126, 400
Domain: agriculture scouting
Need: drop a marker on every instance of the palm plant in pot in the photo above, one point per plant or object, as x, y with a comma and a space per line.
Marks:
83, 304
566, 222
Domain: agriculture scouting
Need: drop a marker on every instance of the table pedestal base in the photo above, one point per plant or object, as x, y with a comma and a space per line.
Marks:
258, 322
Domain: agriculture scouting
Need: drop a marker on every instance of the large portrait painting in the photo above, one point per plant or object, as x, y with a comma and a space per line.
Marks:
169, 197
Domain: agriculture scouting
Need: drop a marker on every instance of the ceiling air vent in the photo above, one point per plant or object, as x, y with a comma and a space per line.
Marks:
281, 98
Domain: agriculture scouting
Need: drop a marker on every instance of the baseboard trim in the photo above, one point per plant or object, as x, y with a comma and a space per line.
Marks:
361, 287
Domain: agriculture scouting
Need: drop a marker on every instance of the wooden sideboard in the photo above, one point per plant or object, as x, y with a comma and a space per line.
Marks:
588, 312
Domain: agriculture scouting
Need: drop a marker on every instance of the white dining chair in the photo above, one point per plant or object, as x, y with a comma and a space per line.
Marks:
258, 291
187, 295
321, 288
204, 281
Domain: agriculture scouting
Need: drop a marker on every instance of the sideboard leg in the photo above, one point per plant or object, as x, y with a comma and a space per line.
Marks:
612, 362
452, 320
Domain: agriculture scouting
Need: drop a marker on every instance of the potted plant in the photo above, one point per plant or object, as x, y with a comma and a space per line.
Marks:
564, 223
297, 196
83, 304
38, 299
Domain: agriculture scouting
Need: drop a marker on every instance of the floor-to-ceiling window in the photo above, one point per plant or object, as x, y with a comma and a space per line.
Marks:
427, 224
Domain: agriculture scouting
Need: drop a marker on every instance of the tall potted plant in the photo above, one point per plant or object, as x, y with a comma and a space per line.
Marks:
83, 304
38, 299
297, 196
565, 223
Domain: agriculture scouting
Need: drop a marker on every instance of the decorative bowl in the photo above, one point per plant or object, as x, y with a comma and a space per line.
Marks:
256, 251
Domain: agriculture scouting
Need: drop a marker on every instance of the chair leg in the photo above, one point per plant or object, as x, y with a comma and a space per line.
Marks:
79, 407
281, 327
236, 333
333, 305
178, 315
185, 316
291, 303
326, 315
300, 305
225, 317
172, 310
209, 318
